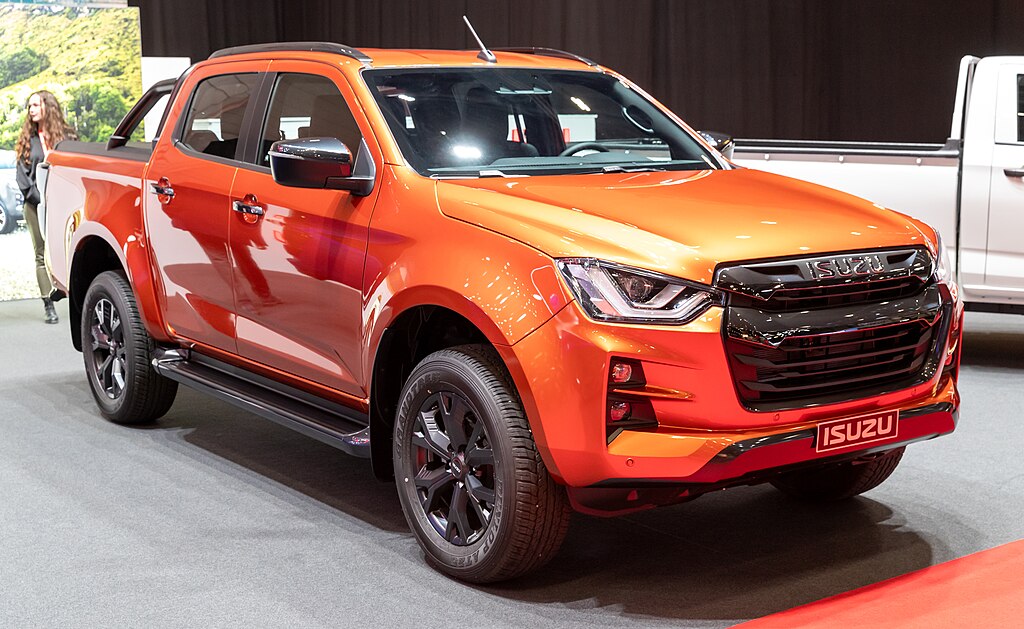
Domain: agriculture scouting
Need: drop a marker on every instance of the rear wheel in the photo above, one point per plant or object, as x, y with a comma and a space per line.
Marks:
7, 222
840, 481
118, 353
472, 485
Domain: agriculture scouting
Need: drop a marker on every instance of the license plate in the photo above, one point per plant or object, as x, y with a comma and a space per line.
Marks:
856, 431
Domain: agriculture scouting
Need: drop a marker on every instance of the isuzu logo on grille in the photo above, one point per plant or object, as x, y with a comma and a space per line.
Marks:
845, 266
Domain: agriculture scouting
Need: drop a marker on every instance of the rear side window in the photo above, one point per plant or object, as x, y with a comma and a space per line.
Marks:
214, 120
1020, 107
307, 106
147, 129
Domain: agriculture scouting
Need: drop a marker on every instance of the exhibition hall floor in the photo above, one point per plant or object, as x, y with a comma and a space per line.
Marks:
214, 518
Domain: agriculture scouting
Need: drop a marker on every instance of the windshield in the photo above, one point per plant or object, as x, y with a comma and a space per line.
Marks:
472, 122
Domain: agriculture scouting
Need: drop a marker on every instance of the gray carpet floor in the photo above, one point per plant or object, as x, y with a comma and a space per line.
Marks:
214, 518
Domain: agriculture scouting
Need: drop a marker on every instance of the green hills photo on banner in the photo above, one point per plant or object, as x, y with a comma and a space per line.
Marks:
87, 54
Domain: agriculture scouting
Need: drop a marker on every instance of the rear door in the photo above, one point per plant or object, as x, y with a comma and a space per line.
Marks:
298, 267
188, 206
1004, 267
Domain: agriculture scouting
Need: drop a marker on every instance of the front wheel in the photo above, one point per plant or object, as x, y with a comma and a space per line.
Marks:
840, 481
118, 351
472, 485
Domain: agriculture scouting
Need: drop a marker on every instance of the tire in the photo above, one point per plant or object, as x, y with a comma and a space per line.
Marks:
118, 354
471, 482
7, 222
841, 480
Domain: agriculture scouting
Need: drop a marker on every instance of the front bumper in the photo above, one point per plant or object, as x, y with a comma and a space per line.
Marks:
705, 435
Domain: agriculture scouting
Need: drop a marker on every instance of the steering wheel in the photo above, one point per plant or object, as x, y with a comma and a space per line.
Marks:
584, 146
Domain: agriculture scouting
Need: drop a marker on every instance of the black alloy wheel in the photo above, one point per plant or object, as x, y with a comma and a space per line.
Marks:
118, 352
106, 343
454, 467
472, 484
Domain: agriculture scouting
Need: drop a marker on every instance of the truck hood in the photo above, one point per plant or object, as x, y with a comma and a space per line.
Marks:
679, 223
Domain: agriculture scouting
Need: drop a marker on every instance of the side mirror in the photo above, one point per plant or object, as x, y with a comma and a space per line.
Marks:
720, 141
318, 163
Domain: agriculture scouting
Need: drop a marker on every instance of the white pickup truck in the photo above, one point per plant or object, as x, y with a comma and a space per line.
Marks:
971, 188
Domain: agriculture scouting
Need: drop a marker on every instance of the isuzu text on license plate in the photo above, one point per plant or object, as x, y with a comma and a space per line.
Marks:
855, 431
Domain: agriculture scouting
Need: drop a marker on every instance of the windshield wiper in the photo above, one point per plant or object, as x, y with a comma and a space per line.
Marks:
616, 168
473, 172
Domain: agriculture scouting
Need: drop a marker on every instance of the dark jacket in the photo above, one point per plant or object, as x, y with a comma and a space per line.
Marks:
26, 174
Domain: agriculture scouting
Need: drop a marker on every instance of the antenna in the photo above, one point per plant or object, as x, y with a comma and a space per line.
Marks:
485, 54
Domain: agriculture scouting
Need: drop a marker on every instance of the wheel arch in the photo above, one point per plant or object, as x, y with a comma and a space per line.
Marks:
411, 336
96, 250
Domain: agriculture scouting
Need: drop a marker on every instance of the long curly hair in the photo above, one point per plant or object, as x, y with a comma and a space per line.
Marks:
52, 122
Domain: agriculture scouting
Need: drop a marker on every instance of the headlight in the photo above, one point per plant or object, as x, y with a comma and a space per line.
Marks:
612, 292
943, 266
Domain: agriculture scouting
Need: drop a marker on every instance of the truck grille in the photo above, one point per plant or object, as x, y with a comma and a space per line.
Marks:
813, 298
795, 339
804, 367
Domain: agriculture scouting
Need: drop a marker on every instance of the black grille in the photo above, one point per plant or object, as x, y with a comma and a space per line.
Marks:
816, 297
834, 327
823, 365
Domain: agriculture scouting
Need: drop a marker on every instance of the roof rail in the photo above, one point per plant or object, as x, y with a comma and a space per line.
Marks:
301, 46
549, 52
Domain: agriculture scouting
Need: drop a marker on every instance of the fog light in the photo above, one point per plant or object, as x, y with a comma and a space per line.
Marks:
619, 411
621, 372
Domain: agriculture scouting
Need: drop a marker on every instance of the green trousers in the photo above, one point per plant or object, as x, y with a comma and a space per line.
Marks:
38, 242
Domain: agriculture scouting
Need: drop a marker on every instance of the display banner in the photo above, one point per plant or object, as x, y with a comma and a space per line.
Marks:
89, 55
108, 3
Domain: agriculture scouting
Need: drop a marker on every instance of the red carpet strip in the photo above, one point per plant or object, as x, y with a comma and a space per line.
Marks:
985, 589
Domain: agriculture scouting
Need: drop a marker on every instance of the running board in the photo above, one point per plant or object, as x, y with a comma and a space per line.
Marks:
333, 424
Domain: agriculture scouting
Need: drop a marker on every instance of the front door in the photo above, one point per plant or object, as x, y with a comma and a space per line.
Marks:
298, 267
1004, 267
188, 208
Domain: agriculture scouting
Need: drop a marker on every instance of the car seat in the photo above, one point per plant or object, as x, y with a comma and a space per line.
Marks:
485, 127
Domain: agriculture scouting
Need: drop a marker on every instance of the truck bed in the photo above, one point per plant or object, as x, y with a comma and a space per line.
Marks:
136, 151
88, 177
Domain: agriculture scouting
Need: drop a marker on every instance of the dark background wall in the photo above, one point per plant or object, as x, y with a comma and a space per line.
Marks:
802, 69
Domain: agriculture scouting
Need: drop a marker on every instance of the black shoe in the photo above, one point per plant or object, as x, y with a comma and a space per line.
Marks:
51, 313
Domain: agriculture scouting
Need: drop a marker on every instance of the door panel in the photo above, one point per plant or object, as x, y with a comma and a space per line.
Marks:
187, 219
1004, 268
298, 267
189, 249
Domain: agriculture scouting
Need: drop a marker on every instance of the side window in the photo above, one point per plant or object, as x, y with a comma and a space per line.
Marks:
147, 129
307, 106
214, 120
1020, 107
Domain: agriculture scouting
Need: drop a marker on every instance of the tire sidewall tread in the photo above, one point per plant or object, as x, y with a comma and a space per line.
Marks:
531, 512
147, 395
840, 481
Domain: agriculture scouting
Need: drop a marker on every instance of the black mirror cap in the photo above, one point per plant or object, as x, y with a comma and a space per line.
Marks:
722, 142
322, 163
309, 162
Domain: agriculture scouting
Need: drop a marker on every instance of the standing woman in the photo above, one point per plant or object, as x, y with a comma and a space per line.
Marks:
43, 128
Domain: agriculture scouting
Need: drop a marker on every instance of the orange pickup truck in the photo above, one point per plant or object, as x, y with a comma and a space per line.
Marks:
515, 282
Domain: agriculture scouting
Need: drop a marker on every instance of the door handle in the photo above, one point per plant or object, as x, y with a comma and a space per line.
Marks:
1014, 172
247, 208
164, 191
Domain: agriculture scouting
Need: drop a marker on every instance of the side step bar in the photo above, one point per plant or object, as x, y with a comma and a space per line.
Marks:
333, 424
